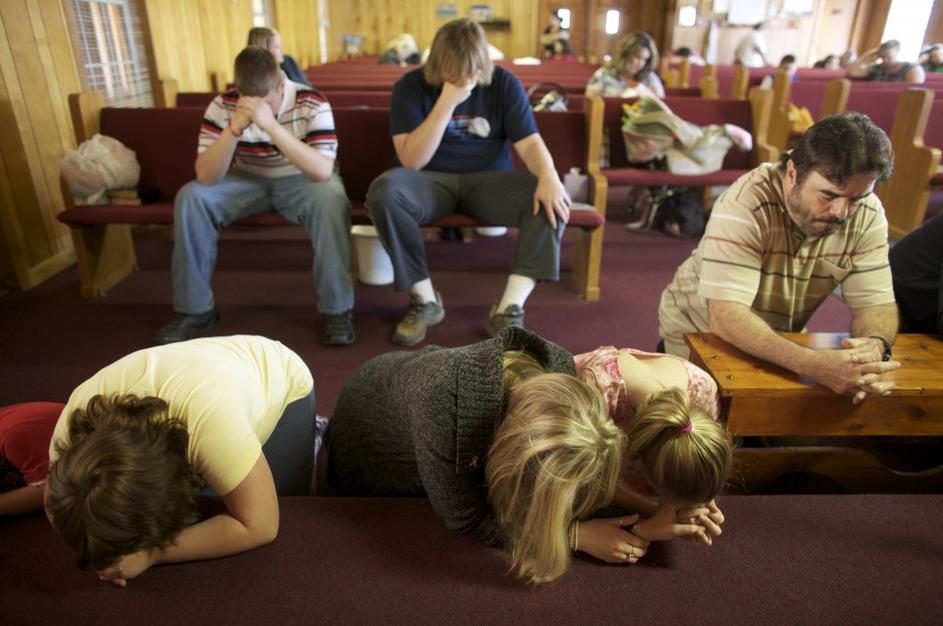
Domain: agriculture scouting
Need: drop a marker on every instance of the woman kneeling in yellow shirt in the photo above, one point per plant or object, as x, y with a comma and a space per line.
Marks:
139, 439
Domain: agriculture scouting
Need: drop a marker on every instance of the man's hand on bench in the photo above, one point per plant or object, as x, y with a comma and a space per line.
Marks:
843, 372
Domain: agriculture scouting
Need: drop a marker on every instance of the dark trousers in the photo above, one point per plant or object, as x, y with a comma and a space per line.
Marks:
289, 450
402, 200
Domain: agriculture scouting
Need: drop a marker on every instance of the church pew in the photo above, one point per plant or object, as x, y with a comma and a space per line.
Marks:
906, 194
165, 140
752, 114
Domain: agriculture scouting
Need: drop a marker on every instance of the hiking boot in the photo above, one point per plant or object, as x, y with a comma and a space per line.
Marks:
419, 317
183, 327
512, 316
339, 329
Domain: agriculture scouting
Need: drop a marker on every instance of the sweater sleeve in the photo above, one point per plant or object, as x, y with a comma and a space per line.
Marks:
460, 497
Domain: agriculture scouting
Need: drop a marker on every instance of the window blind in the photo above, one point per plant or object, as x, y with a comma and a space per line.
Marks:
111, 37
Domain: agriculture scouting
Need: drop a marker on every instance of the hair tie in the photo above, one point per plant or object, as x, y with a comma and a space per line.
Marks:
686, 429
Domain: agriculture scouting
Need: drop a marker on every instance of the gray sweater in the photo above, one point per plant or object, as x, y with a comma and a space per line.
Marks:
420, 423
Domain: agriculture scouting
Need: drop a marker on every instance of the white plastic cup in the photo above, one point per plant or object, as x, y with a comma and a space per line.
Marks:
491, 231
373, 263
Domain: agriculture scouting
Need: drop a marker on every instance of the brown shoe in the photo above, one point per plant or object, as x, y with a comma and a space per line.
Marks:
419, 317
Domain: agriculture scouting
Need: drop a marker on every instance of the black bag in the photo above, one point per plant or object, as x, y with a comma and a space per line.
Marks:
680, 214
547, 97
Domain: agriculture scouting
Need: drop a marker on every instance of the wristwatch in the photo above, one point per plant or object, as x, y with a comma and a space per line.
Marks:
886, 355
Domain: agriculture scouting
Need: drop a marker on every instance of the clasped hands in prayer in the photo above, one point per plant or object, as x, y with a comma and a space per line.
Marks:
608, 539
855, 369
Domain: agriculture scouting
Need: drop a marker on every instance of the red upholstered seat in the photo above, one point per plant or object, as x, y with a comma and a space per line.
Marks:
365, 152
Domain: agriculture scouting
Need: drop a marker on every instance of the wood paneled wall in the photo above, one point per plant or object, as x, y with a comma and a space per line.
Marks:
378, 21
37, 72
297, 22
194, 39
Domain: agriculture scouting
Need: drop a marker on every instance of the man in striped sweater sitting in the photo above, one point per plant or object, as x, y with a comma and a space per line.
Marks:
270, 144
779, 241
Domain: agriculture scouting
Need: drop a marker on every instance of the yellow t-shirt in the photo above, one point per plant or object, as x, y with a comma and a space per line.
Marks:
230, 392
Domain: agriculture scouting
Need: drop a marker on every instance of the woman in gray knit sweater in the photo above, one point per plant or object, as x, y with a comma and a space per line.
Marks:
510, 447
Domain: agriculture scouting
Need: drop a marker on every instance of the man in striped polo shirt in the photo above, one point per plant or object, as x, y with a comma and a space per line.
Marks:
778, 241
270, 144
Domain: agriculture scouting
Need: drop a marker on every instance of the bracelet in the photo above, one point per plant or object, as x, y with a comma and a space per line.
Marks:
573, 536
233, 131
886, 355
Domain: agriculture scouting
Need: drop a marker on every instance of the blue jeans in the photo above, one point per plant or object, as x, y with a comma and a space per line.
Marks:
202, 211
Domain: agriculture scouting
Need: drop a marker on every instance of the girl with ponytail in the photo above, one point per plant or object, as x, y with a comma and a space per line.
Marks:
676, 449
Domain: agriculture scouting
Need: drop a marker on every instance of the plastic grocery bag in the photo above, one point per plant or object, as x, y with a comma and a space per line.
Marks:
99, 164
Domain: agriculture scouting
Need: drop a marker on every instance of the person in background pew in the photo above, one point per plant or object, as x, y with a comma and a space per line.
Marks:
779, 241
270, 144
25, 431
555, 38
450, 121
269, 39
881, 64
510, 447
631, 72
402, 51
680, 54
830, 62
786, 64
138, 440
931, 59
917, 268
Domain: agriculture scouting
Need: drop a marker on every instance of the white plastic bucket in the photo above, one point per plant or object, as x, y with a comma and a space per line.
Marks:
373, 263
492, 231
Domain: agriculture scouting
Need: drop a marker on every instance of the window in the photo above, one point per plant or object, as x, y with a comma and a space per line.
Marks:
612, 22
687, 16
261, 12
112, 43
907, 23
564, 15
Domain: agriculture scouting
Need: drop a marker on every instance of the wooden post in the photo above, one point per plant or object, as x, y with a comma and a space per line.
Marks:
740, 83
906, 193
780, 126
684, 73
86, 112
709, 87
761, 102
836, 97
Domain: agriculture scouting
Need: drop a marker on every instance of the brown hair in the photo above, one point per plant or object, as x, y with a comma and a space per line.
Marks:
261, 37
122, 482
684, 453
556, 457
459, 50
256, 72
839, 147
629, 45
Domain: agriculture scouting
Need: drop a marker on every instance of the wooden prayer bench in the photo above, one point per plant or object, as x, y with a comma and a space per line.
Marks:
165, 140
762, 399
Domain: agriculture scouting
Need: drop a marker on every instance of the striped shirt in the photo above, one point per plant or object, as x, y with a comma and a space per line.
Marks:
304, 112
752, 253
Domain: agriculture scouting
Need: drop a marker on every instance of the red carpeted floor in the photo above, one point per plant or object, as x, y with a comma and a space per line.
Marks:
51, 339
782, 560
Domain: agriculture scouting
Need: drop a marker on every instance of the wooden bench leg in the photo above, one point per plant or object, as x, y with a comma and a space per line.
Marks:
105, 255
587, 260
854, 469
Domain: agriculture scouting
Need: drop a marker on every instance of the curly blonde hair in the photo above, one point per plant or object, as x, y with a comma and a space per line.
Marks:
556, 457
683, 452
122, 482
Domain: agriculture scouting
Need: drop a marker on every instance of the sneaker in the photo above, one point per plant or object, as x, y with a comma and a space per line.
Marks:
183, 327
512, 316
420, 316
338, 329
